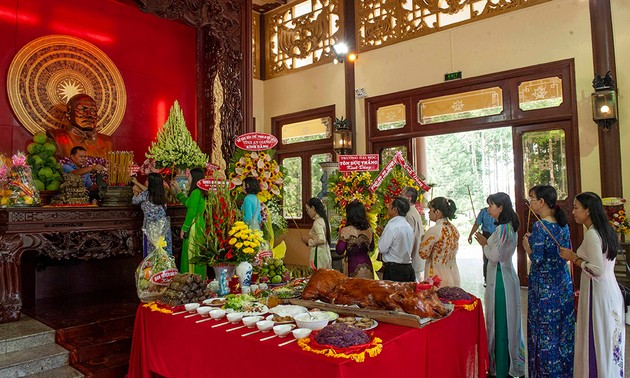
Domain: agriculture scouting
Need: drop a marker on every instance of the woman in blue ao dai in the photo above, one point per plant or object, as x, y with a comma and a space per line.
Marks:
550, 311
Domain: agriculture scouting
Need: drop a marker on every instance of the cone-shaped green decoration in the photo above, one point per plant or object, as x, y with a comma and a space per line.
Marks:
174, 145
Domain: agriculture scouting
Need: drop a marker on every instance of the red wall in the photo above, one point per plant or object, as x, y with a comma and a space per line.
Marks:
156, 58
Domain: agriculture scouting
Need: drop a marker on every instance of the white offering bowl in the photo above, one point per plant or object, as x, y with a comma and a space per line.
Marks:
217, 314
250, 321
265, 325
204, 311
234, 317
312, 320
191, 307
301, 333
282, 330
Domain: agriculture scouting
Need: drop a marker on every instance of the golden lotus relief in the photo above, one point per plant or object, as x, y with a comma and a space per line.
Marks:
49, 70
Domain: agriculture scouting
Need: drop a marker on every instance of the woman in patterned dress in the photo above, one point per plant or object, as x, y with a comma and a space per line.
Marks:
550, 311
506, 348
356, 241
600, 332
152, 200
441, 242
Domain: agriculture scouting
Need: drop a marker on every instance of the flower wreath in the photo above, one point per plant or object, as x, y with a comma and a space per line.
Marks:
392, 186
260, 165
353, 186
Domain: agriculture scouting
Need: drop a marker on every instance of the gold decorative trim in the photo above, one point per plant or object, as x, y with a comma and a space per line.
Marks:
49, 70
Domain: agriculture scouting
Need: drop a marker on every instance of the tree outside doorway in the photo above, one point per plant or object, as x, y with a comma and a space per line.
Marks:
479, 162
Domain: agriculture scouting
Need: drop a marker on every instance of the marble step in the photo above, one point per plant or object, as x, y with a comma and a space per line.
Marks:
113, 366
32, 360
60, 372
23, 334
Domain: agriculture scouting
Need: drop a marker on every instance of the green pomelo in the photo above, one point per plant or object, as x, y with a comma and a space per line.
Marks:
54, 185
37, 160
31, 148
50, 148
40, 138
38, 184
45, 172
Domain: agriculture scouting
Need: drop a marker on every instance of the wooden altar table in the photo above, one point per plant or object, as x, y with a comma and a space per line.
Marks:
63, 233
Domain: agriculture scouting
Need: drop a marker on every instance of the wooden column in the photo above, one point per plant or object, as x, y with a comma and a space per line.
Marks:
350, 40
604, 61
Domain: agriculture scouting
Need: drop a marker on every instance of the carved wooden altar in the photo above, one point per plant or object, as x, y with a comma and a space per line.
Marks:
66, 233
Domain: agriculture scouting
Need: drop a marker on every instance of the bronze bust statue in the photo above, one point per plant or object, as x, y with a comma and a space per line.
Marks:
81, 130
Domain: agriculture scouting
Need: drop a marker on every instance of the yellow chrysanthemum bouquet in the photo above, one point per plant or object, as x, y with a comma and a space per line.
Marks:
244, 241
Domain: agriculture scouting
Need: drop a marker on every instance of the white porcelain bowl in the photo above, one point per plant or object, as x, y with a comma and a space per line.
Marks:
217, 314
312, 320
250, 321
265, 325
191, 307
204, 311
234, 317
301, 333
282, 330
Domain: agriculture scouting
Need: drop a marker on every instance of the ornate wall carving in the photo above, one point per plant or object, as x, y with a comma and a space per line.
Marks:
385, 22
224, 49
301, 36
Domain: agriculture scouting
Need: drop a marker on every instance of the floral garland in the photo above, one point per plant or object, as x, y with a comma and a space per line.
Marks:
154, 306
260, 165
376, 347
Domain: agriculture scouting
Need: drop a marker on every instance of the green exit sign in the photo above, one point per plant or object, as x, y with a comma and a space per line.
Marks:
453, 76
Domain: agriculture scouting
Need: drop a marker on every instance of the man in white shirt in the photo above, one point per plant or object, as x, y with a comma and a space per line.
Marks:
396, 243
415, 221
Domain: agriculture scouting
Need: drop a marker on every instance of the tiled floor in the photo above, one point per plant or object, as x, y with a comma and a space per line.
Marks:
470, 269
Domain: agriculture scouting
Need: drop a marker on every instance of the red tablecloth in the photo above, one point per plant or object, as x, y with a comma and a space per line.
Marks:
175, 346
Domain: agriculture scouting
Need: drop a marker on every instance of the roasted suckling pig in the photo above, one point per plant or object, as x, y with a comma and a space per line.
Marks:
333, 287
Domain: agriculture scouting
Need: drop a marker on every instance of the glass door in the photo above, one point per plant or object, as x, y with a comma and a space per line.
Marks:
544, 154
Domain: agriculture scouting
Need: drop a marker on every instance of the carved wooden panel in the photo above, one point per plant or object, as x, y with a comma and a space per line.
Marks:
67, 233
385, 22
224, 49
301, 34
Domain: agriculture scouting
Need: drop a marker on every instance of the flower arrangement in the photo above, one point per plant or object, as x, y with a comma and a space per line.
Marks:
174, 146
246, 242
221, 236
346, 187
352, 186
614, 207
392, 186
260, 165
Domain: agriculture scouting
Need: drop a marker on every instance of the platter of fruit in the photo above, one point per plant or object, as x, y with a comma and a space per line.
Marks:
273, 272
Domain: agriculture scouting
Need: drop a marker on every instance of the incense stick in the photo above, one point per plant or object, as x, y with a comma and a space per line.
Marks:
472, 204
296, 226
545, 227
529, 216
